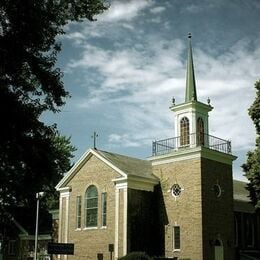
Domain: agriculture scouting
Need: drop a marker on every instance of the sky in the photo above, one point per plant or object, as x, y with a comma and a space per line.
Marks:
123, 70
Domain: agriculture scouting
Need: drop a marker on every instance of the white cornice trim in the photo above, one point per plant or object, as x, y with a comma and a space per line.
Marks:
65, 193
65, 189
85, 157
191, 105
178, 155
218, 156
136, 182
192, 153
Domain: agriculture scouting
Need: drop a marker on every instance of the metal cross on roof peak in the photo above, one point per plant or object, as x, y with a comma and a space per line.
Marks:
95, 136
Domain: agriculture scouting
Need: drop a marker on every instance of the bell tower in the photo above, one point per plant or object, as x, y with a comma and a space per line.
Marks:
195, 172
191, 117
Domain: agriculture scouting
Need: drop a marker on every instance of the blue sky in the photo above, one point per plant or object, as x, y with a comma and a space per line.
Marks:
123, 70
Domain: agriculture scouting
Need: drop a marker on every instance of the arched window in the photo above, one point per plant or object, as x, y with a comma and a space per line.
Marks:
200, 131
185, 131
91, 206
218, 248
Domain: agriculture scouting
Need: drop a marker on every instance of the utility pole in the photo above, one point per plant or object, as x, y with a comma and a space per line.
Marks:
38, 196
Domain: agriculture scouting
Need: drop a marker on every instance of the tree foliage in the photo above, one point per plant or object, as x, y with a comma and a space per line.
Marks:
33, 156
252, 166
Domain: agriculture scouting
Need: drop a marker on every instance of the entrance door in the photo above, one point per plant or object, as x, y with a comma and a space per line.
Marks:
219, 252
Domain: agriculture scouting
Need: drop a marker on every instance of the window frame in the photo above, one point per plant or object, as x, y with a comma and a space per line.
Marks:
185, 131
12, 247
200, 131
78, 211
176, 239
104, 209
90, 208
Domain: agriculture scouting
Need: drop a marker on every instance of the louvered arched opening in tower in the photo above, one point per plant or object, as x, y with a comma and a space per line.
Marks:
200, 131
185, 132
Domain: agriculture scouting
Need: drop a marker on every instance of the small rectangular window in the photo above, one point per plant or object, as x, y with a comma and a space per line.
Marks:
104, 209
176, 238
11, 247
78, 212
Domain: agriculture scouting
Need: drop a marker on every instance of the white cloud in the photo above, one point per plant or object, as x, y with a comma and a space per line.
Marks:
122, 15
194, 8
142, 82
136, 72
124, 139
124, 10
158, 9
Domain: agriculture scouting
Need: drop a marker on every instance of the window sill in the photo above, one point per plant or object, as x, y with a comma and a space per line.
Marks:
78, 229
103, 227
90, 228
176, 250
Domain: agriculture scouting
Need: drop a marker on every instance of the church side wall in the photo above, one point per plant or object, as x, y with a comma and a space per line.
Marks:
141, 227
185, 210
88, 242
218, 218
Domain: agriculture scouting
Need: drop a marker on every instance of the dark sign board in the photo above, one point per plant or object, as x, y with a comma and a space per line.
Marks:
111, 247
61, 248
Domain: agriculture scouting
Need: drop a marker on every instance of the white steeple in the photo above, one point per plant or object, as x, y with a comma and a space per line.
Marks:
191, 117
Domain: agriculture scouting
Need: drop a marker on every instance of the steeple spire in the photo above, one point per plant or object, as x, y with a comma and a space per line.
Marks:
190, 94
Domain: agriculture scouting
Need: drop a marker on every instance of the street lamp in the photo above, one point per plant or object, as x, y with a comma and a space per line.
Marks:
38, 196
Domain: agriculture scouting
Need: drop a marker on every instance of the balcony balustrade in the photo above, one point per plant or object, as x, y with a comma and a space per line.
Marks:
174, 144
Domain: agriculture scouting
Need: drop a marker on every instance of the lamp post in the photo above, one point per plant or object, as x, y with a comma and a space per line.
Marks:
38, 196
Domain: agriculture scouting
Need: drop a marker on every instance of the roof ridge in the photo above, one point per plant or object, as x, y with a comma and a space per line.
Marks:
123, 155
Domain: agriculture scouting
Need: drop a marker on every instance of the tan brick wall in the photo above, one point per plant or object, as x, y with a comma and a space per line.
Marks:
89, 242
218, 218
202, 216
186, 210
142, 228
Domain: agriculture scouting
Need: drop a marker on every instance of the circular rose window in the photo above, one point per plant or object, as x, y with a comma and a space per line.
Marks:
176, 190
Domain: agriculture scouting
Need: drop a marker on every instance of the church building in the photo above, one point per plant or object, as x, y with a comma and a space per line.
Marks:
177, 204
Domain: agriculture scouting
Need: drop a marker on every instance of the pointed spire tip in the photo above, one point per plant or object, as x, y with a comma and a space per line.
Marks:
190, 94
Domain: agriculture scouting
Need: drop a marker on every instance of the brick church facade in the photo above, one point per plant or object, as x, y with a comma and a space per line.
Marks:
177, 204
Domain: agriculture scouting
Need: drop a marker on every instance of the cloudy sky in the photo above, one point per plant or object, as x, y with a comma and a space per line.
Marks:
123, 70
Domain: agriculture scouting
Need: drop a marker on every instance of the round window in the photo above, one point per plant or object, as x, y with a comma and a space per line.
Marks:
176, 190
217, 190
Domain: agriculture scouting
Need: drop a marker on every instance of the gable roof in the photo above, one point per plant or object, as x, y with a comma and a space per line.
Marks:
124, 165
240, 192
130, 165
24, 219
242, 202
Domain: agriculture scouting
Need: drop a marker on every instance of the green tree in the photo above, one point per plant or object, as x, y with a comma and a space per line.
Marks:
33, 156
252, 166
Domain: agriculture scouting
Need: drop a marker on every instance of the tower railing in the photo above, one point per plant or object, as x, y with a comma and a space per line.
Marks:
190, 141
